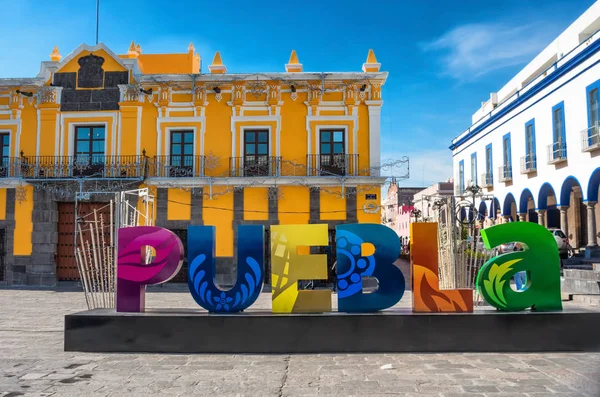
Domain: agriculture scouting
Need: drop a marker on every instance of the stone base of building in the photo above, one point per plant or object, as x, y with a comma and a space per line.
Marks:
395, 330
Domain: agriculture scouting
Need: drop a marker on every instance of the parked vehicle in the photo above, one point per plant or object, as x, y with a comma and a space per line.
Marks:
561, 240
564, 249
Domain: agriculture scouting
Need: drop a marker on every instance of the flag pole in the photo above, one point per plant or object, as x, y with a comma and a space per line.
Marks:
97, 18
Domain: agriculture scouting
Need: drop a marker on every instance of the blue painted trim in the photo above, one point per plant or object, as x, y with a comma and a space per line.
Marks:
527, 148
474, 157
560, 106
489, 168
560, 72
461, 178
565, 190
507, 204
588, 89
508, 155
525, 194
545, 189
593, 185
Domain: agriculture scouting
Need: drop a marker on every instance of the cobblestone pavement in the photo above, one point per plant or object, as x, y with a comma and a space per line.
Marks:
32, 363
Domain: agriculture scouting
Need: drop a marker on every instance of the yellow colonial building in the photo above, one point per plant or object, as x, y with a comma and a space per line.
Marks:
214, 148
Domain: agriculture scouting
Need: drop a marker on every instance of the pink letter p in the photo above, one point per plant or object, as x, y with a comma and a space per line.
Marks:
133, 275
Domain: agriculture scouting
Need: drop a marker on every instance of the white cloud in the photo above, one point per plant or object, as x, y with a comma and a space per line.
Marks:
472, 50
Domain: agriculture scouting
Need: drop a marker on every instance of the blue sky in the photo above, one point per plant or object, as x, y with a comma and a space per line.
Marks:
444, 57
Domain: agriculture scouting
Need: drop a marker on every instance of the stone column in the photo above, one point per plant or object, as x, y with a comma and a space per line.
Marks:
591, 224
542, 217
523, 217
564, 221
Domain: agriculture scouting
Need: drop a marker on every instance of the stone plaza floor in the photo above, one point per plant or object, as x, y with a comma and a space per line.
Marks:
33, 363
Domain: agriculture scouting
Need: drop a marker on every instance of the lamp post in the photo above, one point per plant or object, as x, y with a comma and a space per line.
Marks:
474, 189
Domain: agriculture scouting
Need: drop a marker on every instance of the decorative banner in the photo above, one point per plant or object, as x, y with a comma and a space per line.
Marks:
353, 263
427, 296
540, 260
288, 266
133, 275
202, 269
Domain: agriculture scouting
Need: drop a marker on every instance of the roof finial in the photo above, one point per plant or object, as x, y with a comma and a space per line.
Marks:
191, 48
371, 66
55, 55
293, 65
217, 66
138, 48
132, 52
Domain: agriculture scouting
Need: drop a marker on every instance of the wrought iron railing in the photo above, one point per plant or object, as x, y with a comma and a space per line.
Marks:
505, 173
95, 166
182, 166
557, 152
487, 179
10, 167
332, 164
590, 138
528, 163
255, 165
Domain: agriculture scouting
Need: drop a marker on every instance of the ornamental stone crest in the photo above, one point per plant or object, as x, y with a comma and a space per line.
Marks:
91, 74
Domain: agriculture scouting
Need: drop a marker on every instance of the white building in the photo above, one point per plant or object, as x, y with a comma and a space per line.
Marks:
425, 199
535, 144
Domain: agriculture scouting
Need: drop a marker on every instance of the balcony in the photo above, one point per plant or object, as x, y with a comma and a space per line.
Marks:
95, 166
590, 138
183, 166
528, 164
487, 179
10, 167
557, 152
505, 173
254, 165
332, 164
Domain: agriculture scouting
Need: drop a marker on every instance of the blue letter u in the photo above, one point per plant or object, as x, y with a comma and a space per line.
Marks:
202, 269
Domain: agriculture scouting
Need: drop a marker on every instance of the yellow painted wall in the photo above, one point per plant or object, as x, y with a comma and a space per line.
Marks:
218, 132
294, 205
364, 217
293, 130
256, 204
109, 65
23, 223
333, 205
48, 123
2, 204
179, 205
218, 212
129, 121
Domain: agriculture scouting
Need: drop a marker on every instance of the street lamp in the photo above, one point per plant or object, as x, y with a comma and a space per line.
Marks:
416, 213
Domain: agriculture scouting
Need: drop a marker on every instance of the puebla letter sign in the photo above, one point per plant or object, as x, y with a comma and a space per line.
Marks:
363, 250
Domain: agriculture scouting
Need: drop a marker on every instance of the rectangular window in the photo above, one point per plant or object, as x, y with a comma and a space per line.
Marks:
333, 151
593, 132
506, 157
89, 150
593, 106
474, 168
256, 152
461, 176
182, 148
489, 180
559, 141
5, 146
530, 160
